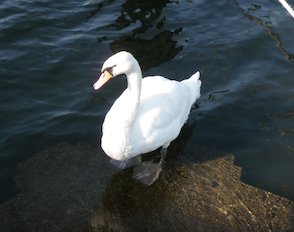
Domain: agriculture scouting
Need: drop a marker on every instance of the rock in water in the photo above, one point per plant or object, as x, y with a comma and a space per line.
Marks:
206, 196
74, 188
59, 189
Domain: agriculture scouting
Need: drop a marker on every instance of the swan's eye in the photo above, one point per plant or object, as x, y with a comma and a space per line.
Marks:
109, 69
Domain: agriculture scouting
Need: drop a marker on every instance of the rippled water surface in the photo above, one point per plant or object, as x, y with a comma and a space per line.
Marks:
52, 51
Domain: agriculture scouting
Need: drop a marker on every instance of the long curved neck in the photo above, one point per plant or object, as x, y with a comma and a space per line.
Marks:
134, 91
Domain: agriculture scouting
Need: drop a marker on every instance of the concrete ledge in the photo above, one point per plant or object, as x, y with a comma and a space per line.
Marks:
74, 188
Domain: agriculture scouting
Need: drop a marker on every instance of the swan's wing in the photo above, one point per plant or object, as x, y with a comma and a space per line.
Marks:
164, 108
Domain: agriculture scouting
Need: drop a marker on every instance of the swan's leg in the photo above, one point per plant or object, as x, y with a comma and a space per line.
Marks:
149, 172
163, 152
123, 164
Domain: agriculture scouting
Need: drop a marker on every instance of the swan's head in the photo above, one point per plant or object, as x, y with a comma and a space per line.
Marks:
120, 63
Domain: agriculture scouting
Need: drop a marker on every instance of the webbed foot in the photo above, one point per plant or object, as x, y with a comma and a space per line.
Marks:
147, 172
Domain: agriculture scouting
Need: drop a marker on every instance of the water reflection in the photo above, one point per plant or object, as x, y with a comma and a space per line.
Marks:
160, 46
146, 12
151, 52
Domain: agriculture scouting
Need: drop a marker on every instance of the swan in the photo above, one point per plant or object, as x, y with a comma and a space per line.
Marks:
148, 115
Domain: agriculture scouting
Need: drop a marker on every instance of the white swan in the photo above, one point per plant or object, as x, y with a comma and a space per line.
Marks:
149, 114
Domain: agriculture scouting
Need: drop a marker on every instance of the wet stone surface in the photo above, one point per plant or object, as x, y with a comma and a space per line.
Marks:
74, 188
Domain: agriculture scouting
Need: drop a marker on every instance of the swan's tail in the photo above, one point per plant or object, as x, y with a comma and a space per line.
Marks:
194, 84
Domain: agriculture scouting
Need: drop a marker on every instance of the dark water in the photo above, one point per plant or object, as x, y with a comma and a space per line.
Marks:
52, 51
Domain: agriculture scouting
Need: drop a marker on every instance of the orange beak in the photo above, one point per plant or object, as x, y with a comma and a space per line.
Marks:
105, 76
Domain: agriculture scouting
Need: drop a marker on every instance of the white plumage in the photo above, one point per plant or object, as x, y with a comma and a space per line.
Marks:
149, 114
